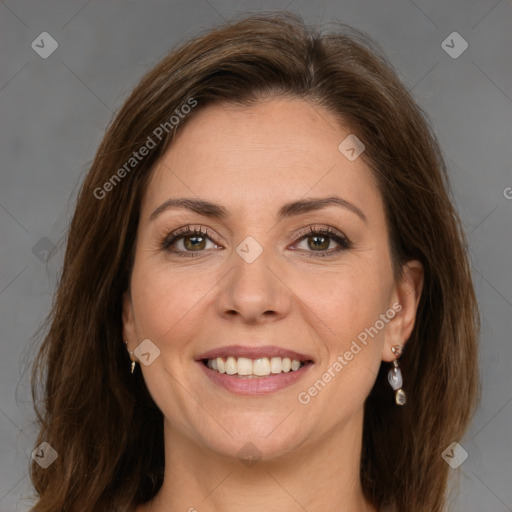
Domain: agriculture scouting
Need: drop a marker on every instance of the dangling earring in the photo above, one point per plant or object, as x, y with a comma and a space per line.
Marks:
395, 377
133, 363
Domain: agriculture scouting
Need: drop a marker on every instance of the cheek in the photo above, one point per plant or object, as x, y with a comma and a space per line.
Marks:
341, 310
345, 302
165, 300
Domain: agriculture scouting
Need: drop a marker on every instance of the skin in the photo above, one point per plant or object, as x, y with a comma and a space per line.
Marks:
252, 161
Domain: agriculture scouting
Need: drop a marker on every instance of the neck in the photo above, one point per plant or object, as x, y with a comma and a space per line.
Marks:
318, 476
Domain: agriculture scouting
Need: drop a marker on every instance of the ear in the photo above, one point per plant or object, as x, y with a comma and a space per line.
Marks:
404, 300
129, 327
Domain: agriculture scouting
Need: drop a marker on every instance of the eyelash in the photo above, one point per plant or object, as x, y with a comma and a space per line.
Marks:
343, 241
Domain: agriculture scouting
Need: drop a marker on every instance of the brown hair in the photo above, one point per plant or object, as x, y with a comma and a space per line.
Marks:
101, 420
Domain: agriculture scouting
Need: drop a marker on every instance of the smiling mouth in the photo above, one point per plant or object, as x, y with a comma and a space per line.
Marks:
244, 367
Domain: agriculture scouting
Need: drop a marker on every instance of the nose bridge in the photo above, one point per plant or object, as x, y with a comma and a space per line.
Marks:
251, 289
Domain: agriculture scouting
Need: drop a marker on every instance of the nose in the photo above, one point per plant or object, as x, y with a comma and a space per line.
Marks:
253, 293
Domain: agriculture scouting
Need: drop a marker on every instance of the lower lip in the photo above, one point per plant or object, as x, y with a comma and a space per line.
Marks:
256, 385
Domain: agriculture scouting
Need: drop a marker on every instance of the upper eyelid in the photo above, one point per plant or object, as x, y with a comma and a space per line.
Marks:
317, 228
191, 230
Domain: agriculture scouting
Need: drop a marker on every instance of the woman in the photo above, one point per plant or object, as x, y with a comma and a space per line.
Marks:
266, 302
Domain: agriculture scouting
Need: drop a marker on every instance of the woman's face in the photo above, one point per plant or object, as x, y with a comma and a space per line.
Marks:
256, 284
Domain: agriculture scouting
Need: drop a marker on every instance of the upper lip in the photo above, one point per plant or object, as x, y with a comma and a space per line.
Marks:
253, 352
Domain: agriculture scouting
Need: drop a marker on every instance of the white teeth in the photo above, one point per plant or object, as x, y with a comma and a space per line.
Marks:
275, 365
244, 366
260, 367
230, 366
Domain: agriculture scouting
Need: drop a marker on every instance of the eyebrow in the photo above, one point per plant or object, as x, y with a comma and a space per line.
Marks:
291, 209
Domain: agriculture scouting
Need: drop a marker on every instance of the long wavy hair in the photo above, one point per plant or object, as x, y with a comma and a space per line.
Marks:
101, 420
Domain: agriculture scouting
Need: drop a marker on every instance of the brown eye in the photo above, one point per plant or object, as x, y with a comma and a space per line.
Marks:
318, 242
189, 240
194, 243
323, 242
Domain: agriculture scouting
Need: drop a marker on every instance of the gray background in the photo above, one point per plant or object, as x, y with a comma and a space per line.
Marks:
54, 112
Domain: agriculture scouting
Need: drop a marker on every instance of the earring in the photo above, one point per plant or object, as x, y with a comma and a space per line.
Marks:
133, 363
395, 377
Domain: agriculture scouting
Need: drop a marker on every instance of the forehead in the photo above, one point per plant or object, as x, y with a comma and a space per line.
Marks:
275, 150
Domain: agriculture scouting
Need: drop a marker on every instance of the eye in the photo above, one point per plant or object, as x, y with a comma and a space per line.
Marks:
189, 239
320, 239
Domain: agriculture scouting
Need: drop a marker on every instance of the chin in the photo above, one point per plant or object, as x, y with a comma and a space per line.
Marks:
264, 440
